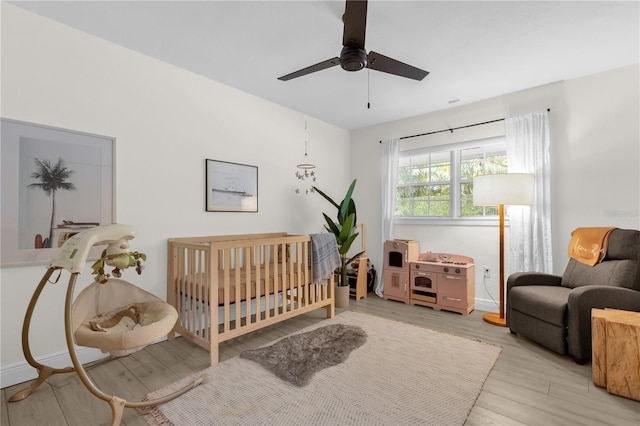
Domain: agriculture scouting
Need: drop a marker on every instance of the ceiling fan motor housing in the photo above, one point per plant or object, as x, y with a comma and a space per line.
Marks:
352, 58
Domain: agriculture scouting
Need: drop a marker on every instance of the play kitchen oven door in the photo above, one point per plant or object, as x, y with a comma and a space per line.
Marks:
424, 284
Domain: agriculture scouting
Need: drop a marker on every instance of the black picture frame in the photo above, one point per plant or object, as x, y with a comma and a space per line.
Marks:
230, 187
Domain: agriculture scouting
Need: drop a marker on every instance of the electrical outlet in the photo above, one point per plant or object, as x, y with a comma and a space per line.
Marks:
487, 272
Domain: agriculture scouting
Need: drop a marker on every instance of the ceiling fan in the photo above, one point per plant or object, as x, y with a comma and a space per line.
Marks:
353, 56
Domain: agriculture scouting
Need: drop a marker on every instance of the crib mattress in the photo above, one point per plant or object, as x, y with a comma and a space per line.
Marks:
196, 282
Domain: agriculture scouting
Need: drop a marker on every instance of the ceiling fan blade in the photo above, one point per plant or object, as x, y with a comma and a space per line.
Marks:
383, 63
355, 23
313, 68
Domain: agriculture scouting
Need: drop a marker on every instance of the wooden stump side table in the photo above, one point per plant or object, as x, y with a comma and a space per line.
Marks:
615, 340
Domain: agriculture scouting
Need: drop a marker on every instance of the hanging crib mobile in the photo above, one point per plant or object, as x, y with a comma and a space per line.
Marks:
111, 314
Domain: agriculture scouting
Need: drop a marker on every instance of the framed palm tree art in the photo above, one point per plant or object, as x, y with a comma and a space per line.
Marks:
55, 183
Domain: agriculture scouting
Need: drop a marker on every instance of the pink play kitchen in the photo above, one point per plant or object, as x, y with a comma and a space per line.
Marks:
438, 280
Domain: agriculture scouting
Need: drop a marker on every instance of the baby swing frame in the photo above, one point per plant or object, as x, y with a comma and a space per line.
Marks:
72, 256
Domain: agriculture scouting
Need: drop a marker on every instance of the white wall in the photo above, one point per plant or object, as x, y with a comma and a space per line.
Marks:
595, 153
166, 122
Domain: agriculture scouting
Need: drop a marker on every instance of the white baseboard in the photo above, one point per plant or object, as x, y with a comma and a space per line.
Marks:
486, 305
20, 372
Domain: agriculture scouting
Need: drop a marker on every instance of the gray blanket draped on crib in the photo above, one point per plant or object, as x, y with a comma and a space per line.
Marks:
325, 257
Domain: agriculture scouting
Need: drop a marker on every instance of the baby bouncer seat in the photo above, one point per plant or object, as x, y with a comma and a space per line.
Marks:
111, 314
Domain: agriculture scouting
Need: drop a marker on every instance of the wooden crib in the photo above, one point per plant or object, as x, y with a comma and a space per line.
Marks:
229, 285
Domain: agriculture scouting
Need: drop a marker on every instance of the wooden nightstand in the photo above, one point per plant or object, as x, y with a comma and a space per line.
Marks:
615, 341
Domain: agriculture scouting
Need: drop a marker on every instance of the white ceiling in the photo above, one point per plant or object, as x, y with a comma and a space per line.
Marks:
473, 49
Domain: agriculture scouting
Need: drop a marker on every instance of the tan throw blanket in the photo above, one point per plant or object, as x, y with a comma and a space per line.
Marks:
589, 245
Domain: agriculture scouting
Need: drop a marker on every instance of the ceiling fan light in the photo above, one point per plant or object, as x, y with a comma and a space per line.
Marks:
353, 59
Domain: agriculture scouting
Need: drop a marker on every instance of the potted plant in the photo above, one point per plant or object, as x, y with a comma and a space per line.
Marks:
344, 231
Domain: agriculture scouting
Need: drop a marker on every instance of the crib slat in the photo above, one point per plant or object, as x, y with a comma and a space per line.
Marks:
213, 264
205, 304
298, 267
197, 299
305, 261
257, 267
292, 280
171, 283
202, 285
196, 293
237, 282
276, 282
285, 278
248, 284
193, 291
190, 291
268, 250
179, 252
226, 292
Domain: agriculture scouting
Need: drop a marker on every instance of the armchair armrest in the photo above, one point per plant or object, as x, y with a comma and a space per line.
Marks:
582, 300
529, 278
532, 278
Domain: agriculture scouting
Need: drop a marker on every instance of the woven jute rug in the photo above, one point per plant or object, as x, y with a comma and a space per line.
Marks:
402, 375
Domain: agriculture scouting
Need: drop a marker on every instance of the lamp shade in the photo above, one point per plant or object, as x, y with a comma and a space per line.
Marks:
508, 188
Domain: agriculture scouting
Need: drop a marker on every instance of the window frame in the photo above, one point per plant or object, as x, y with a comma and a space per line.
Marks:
456, 180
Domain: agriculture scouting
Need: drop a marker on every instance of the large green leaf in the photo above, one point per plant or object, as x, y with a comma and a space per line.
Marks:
326, 197
332, 225
352, 210
346, 245
346, 203
347, 228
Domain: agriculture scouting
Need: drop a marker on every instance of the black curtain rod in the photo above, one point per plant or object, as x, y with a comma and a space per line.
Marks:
455, 128
452, 129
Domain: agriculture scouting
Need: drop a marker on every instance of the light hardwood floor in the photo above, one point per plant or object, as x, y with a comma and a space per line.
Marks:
529, 385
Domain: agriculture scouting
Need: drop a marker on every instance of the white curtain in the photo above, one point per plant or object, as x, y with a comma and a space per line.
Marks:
527, 139
389, 177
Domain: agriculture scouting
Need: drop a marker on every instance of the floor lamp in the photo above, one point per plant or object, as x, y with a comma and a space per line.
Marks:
500, 190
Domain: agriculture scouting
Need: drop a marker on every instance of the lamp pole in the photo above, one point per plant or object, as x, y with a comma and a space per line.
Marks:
497, 318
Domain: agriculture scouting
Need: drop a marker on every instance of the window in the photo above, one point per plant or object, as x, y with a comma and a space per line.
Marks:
424, 185
438, 182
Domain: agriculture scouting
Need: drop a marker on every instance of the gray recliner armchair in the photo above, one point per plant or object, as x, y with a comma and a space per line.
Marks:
555, 311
